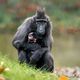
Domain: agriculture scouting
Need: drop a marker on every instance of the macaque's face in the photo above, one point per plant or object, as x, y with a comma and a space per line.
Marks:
31, 38
41, 27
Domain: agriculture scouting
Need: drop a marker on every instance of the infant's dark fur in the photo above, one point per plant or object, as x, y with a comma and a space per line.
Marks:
31, 46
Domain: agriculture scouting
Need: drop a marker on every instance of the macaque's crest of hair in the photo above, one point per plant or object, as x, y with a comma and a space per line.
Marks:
40, 13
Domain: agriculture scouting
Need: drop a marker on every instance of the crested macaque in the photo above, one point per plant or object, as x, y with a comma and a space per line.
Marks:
41, 56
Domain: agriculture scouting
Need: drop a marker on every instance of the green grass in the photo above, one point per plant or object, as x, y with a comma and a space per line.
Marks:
24, 72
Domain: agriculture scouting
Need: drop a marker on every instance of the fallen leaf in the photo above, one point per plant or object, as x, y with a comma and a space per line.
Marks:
2, 69
2, 78
62, 77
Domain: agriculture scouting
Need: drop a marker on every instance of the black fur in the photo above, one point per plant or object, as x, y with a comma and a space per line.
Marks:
41, 57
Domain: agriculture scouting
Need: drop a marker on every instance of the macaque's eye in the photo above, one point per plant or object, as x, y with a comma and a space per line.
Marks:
41, 23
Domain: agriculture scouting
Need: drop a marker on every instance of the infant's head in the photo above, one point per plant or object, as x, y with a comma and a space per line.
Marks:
31, 37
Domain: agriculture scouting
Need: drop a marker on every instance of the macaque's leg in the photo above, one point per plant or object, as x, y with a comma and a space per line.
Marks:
22, 57
48, 62
37, 55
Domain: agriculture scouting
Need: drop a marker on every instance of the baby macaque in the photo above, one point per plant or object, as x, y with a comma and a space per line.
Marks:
31, 46
32, 38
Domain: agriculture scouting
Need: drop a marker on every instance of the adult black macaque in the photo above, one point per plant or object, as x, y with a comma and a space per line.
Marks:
40, 24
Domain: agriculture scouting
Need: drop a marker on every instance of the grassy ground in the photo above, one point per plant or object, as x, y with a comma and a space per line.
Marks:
23, 72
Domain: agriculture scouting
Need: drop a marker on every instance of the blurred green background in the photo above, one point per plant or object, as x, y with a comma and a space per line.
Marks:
65, 17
